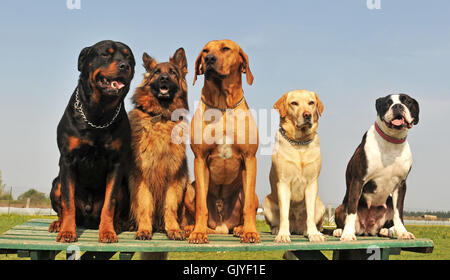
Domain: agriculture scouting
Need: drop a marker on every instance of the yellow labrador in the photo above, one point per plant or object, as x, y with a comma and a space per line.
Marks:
293, 206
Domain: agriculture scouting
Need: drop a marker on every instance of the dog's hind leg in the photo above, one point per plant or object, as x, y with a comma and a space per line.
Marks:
55, 197
272, 214
339, 219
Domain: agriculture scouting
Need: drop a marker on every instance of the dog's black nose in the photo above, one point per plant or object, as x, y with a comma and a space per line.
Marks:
124, 66
397, 107
210, 59
307, 116
164, 78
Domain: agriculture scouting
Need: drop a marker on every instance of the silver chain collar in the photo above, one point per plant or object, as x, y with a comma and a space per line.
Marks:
294, 142
79, 107
223, 110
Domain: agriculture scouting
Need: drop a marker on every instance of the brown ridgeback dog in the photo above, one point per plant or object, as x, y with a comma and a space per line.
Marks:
225, 162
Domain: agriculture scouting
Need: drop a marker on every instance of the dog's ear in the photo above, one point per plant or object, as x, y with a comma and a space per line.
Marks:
198, 67
245, 67
149, 62
379, 104
179, 59
319, 104
280, 105
82, 58
415, 111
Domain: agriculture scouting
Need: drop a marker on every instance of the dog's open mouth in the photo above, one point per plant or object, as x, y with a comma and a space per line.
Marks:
111, 84
163, 92
398, 122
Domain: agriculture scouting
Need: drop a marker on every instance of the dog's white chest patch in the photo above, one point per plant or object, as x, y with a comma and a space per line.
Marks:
387, 165
225, 148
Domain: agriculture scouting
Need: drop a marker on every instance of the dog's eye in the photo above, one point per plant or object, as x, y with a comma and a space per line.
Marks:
311, 103
405, 100
106, 54
157, 71
225, 49
206, 51
172, 72
294, 103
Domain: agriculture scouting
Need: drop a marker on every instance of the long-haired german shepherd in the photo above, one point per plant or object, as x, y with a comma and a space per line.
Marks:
159, 177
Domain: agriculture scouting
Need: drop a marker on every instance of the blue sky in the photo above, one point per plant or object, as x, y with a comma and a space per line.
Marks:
347, 53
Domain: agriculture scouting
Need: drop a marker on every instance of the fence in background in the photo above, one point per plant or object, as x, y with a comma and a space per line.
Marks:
260, 215
427, 223
27, 211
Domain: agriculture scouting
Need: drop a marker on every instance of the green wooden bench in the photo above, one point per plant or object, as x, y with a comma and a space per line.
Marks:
32, 239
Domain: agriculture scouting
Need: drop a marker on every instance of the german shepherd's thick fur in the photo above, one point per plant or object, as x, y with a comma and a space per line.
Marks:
159, 175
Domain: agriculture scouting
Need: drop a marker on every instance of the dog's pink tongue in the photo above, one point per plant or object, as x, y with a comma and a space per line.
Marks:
117, 84
398, 122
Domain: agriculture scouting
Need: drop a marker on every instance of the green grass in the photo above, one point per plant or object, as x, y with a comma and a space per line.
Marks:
441, 238
439, 234
9, 221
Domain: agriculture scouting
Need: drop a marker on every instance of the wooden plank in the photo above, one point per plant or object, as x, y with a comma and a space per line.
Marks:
177, 246
159, 236
34, 235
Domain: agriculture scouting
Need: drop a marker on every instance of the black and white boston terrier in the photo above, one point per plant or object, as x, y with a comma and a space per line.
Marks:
376, 174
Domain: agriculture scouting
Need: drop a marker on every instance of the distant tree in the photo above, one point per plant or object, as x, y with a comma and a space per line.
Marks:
2, 185
3, 194
34, 196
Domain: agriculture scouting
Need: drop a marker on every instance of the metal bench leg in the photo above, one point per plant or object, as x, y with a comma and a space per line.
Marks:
126, 256
304, 255
97, 255
362, 254
43, 255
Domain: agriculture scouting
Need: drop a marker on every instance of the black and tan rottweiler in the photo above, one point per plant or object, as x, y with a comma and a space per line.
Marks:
94, 142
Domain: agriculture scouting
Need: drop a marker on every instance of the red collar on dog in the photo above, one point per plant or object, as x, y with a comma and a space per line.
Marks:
387, 137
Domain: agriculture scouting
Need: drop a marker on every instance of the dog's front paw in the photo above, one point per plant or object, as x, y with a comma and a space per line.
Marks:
108, 237
337, 232
274, 230
197, 237
67, 236
283, 238
143, 235
385, 232
250, 237
317, 237
176, 234
405, 235
55, 226
348, 237
188, 229
238, 231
